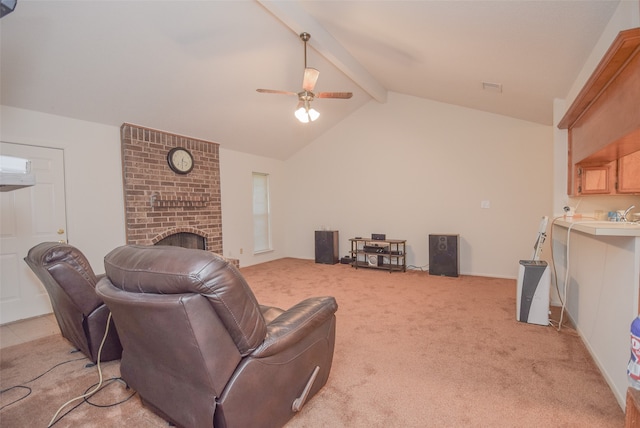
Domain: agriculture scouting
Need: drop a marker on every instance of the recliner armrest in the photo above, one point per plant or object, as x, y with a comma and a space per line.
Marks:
294, 324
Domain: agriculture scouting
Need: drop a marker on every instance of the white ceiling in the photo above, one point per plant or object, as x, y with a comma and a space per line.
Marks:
192, 67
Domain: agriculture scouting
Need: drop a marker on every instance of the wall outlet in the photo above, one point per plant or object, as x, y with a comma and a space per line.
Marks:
485, 204
240, 250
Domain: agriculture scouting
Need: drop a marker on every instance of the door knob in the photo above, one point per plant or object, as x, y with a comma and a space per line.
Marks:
60, 231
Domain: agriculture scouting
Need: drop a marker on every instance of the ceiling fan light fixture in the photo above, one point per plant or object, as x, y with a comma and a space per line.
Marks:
306, 114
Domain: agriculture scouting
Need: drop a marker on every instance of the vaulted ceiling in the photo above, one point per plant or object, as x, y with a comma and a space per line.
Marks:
193, 67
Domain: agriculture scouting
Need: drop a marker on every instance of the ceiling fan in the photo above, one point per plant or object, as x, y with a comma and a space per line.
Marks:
304, 112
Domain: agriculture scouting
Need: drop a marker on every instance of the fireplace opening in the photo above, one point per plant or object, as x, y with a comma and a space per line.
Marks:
185, 240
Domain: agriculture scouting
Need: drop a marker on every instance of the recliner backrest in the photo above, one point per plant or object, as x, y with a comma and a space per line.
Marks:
176, 270
66, 274
70, 282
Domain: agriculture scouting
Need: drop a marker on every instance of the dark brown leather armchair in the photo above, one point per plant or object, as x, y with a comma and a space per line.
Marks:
201, 351
82, 316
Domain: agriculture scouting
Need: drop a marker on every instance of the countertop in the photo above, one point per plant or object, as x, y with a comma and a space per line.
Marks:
600, 228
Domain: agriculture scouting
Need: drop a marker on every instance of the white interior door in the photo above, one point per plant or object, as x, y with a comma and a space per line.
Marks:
29, 216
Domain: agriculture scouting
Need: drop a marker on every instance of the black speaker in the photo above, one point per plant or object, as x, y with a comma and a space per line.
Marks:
327, 246
444, 257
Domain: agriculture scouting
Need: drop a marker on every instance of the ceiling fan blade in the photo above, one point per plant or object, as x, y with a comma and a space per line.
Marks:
343, 95
310, 79
273, 91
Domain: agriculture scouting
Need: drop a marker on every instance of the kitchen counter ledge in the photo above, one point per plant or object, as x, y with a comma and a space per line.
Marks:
601, 228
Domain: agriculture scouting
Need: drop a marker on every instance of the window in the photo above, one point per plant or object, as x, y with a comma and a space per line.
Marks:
261, 213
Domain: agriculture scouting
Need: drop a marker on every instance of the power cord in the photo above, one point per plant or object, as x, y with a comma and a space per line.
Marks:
553, 263
99, 385
566, 276
86, 395
86, 399
106, 384
32, 380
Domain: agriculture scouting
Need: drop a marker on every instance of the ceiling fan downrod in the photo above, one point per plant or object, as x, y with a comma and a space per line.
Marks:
305, 38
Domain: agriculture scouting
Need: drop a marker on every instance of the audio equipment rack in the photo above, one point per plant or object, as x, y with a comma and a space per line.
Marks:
387, 254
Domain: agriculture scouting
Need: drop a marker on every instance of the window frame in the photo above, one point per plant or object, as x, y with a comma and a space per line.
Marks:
261, 213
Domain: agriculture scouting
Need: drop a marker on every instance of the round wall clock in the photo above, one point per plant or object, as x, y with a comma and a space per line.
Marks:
180, 160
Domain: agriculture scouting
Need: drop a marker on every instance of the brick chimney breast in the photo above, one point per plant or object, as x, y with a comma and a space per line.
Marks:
160, 202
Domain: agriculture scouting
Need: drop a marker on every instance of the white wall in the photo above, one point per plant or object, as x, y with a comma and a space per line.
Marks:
406, 168
626, 16
414, 167
93, 175
237, 205
93, 180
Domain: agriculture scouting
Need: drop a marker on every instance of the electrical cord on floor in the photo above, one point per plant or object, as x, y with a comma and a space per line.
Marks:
19, 399
99, 385
29, 381
563, 301
86, 399
566, 278
553, 264
106, 384
553, 261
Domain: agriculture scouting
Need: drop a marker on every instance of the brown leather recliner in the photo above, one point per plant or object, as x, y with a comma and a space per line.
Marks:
201, 351
70, 282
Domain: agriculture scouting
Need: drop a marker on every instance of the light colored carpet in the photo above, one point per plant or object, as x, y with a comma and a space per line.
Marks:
412, 350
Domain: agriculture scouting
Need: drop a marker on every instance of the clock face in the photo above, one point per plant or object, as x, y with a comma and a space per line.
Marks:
180, 160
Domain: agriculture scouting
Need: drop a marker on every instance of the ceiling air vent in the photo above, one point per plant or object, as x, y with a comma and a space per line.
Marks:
492, 87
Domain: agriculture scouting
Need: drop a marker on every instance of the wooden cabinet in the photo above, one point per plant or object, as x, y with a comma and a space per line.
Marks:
629, 173
595, 179
388, 254
618, 177
604, 124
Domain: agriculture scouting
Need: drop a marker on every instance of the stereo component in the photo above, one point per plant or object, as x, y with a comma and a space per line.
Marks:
376, 248
372, 260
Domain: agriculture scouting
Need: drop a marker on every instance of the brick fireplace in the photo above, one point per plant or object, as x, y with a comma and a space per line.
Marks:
160, 203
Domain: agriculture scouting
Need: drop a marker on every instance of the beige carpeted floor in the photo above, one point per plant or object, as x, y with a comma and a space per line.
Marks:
412, 350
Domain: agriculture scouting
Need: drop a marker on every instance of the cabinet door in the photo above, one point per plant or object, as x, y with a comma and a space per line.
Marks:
629, 173
595, 180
